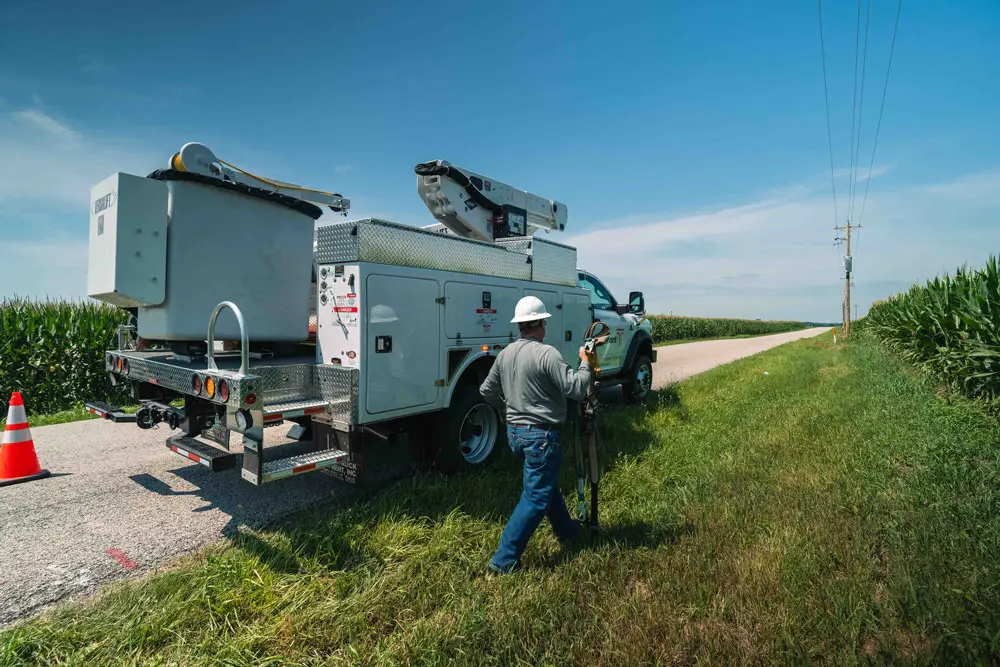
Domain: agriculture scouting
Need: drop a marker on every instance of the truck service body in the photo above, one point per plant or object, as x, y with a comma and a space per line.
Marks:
408, 320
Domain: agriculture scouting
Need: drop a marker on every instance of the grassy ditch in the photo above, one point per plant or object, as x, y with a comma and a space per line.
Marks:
832, 511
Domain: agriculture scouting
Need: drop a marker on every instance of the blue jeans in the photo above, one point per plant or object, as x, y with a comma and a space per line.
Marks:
541, 452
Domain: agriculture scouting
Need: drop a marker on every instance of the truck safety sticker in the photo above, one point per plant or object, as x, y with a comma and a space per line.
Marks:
487, 317
346, 306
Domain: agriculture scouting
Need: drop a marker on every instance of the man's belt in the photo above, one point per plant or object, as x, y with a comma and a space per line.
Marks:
540, 427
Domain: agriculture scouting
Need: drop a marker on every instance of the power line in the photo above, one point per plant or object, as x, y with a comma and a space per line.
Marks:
854, 107
826, 98
861, 106
878, 128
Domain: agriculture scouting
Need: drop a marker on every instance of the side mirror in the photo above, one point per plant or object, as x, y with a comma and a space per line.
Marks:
636, 303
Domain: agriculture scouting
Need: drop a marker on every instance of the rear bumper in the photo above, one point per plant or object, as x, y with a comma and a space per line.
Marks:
278, 388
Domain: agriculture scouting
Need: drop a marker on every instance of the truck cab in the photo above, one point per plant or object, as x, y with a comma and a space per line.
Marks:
628, 356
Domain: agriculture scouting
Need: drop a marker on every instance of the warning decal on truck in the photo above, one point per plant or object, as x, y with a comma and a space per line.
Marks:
347, 303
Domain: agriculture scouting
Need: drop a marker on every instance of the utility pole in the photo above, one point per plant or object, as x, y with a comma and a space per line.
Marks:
847, 277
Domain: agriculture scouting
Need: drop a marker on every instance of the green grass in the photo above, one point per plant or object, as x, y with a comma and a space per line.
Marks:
833, 511
74, 414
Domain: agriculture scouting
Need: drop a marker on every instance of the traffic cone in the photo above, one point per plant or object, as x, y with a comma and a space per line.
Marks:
18, 461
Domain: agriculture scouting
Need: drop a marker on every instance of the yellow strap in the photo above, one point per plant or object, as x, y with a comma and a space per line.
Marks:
275, 185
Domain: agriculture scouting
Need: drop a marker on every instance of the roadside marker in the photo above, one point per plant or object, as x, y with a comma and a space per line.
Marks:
18, 460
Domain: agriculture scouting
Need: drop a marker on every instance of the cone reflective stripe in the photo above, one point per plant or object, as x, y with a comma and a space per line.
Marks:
17, 436
18, 461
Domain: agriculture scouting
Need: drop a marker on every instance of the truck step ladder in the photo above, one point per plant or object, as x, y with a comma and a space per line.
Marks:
211, 457
275, 413
110, 412
293, 465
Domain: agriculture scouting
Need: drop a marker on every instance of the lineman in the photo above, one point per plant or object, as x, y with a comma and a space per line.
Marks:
531, 381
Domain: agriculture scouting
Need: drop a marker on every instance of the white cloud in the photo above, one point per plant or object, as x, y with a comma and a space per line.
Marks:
774, 258
55, 267
41, 121
862, 173
46, 160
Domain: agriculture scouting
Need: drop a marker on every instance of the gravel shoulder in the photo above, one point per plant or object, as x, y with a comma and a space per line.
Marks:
120, 504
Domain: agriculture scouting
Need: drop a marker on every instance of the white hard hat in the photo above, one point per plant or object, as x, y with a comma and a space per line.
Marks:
382, 313
529, 309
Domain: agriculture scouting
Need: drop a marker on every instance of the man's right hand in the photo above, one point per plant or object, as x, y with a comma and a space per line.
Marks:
584, 356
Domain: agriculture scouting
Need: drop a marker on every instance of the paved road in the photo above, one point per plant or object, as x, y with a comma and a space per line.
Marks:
678, 362
119, 503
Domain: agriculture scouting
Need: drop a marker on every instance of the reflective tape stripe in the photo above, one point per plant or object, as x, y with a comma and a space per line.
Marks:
17, 415
296, 470
16, 427
194, 457
14, 437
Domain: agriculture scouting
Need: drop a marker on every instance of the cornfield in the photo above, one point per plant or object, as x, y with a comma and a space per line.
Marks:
668, 328
53, 353
949, 328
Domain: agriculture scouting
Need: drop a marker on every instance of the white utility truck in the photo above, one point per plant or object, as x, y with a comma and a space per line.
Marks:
228, 276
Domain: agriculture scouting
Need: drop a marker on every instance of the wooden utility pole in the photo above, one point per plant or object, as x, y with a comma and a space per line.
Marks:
848, 269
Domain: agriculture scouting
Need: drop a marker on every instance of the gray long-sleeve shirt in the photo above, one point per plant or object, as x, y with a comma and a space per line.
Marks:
534, 381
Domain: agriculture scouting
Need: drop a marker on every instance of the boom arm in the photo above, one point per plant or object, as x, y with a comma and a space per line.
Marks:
199, 159
478, 207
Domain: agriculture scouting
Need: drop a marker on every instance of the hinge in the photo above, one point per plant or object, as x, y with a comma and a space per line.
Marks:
438, 383
440, 300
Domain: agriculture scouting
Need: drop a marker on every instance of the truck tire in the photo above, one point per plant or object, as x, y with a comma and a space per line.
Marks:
639, 381
470, 434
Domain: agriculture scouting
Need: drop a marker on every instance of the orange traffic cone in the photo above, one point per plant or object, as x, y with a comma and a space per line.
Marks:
18, 461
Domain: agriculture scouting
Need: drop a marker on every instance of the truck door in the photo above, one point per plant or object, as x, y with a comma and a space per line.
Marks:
605, 307
402, 343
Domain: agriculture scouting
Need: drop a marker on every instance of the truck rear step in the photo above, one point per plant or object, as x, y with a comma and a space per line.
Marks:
111, 412
293, 465
211, 457
279, 411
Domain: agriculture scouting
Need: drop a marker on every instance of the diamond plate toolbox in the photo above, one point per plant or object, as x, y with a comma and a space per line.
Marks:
551, 262
385, 242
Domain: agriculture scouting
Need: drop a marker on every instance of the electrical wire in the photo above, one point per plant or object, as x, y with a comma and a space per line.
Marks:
854, 109
861, 106
878, 128
826, 98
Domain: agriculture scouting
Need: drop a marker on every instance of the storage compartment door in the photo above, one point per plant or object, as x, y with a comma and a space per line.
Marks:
576, 321
403, 345
554, 333
479, 311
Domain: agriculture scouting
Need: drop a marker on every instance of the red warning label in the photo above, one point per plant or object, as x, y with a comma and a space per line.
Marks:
486, 311
345, 309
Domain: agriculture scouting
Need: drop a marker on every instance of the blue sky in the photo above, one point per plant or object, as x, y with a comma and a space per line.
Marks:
688, 139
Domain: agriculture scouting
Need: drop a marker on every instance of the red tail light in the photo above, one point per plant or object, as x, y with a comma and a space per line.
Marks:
224, 391
196, 383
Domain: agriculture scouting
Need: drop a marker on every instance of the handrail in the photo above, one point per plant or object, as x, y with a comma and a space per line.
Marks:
244, 341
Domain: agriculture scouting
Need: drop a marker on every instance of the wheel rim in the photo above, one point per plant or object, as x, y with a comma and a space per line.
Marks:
644, 380
478, 434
